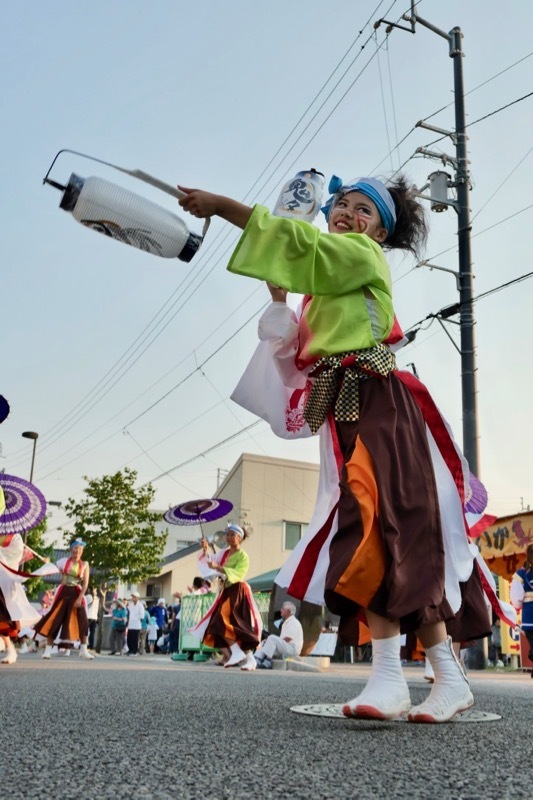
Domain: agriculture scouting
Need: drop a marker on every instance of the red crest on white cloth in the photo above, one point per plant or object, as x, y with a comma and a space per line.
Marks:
294, 411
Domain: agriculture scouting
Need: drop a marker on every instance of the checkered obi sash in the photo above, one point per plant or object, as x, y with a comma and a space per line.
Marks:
337, 383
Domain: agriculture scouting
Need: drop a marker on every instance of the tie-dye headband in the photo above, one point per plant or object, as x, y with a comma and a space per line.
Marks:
373, 189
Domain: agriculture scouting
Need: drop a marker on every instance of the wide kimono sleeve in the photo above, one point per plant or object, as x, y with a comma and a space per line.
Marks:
236, 567
300, 258
271, 386
11, 554
517, 591
204, 569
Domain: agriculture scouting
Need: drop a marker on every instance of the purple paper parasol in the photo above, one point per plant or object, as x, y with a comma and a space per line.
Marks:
195, 512
4, 408
476, 496
25, 505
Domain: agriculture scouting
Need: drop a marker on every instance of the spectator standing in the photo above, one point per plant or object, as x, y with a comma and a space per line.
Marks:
144, 631
152, 634
135, 617
495, 645
175, 621
46, 601
161, 614
93, 607
522, 597
119, 623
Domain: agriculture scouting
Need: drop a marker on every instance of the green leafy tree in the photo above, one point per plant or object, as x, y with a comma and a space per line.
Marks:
35, 539
115, 521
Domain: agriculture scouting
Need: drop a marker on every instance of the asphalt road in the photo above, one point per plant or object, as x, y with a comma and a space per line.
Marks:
148, 727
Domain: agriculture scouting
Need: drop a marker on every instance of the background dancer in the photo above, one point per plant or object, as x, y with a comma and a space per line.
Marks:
16, 612
67, 618
233, 622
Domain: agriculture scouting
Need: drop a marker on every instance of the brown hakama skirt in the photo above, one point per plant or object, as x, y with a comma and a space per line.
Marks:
64, 621
232, 620
388, 554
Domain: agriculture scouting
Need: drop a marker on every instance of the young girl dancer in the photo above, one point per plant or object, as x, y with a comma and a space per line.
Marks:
388, 538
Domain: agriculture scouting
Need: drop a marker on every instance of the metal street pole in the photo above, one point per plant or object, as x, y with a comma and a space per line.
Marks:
30, 435
34, 436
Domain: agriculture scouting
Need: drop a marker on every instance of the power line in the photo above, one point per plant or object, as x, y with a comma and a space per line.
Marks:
254, 184
490, 228
311, 139
454, 308
204, 453
317, 95
495, 192
337, 104
430, 116
160, 399
486, 116
480, 85
96, 395
198, 368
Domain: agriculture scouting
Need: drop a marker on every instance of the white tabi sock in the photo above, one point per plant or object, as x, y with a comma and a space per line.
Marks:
11, 654
250, 664
84, 653
450, 692
237, 655
386, 694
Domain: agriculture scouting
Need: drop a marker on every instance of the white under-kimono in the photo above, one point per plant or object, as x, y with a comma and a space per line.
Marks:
17, 610
273, 388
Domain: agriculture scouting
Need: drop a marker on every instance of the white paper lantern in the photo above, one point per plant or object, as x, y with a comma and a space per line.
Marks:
127, 217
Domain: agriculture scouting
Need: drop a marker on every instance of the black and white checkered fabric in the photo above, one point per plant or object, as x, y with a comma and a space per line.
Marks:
337, 383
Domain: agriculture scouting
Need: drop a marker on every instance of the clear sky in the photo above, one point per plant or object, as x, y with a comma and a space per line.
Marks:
116, 357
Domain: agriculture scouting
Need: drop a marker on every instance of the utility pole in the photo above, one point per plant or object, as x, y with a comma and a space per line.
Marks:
464, 275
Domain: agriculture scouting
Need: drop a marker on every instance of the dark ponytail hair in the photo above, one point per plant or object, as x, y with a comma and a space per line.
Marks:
411, 228
529, 557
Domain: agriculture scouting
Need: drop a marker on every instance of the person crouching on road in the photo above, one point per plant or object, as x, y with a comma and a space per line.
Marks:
288, 644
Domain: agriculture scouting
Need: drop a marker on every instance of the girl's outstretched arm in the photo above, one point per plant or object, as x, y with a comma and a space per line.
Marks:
205, 204
278, 294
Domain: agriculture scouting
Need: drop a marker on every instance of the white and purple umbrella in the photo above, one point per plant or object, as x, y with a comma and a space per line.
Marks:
476, 496
195, 512
25, 505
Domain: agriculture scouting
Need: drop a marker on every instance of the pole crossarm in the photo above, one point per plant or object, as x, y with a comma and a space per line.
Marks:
444, 157
422, 124
453, 272
414, 18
